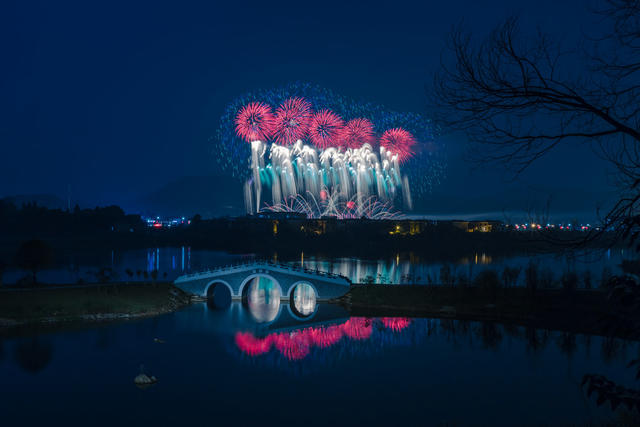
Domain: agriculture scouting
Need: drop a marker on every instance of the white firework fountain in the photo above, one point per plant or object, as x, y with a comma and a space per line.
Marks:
353, 183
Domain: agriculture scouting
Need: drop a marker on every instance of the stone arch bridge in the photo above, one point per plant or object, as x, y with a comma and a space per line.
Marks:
287, 278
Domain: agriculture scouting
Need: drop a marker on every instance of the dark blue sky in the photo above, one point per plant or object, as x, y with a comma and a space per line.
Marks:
119, 98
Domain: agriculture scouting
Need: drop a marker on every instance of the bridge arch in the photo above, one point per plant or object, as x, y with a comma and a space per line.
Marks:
215, 297
242, 290
264, 304
303, 305
217, 282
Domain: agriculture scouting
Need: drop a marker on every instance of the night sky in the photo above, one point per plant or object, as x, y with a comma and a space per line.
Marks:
119, 99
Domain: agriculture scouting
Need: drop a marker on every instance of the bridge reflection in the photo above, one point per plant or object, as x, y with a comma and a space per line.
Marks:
263, 299
263, 325
297, 345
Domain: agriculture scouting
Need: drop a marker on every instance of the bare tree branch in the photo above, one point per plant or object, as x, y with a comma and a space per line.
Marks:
520, 99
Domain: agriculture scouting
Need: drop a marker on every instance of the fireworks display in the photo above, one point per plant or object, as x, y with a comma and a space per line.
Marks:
371, 207
323, 154
254, 122
398, 141
326, 129
357, 132
292, 121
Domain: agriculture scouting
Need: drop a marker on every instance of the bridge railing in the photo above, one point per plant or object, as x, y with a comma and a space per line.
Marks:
267, 264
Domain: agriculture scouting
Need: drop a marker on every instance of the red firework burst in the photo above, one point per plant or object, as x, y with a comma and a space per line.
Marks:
357, 132
398, 141
254, 122
325, 128
292, 120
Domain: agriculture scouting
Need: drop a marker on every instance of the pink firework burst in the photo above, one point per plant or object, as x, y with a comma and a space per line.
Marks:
254, 122
357, 132
325, 128
292, 120
398, 141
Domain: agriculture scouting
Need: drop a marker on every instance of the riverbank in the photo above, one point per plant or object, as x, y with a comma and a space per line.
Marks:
579, 311
92, 303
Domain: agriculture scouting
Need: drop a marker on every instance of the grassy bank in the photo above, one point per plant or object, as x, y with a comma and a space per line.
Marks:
105, 302
580, 311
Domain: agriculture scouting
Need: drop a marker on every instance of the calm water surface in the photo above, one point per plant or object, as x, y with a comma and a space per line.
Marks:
72, 266
235, 365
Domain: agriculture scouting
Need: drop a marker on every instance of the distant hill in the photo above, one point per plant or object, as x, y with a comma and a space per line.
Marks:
209, 196
48, 201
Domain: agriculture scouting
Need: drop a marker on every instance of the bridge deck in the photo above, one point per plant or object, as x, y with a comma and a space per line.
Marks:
287, 277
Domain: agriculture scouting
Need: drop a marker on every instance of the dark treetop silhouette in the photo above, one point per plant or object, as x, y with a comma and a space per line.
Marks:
518, 98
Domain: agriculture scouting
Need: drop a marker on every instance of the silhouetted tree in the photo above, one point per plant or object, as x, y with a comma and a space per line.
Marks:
624, 294
34, 255
510, 276
519, 98
586, 278
569, 281
105, 275
531, 277
446, 277
488, 281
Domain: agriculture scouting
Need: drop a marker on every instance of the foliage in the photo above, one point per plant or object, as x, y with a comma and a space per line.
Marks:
545, 278
105, 275
586, 279
569, 281
531, 277
510, 276
34, 255
488, 280
624, 294
608, 391
447, 277
38, 220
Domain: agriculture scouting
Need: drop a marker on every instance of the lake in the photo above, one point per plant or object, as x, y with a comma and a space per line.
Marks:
232, 365
72, 266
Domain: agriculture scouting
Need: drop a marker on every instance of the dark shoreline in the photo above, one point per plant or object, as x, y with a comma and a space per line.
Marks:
49, 305
579, 311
